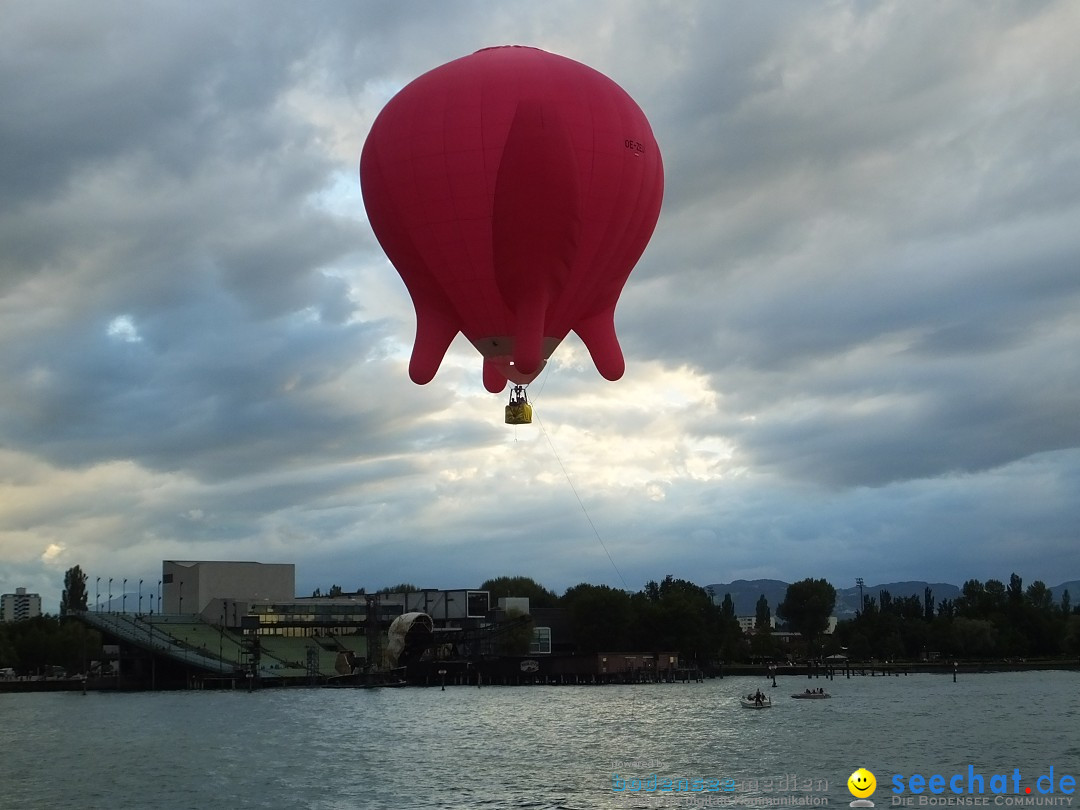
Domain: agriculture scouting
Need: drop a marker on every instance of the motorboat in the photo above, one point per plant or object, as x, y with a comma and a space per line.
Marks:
809, 695
752, 702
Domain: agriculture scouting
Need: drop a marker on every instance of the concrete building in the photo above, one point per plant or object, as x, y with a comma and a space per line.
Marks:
748, 624
15, 607
202, 587
451, 608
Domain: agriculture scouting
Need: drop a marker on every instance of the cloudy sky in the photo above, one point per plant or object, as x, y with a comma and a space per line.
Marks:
853, 344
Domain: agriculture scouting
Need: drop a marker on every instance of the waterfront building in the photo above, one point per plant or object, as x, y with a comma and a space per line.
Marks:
18, 606
748, 624
201, 587
222, 624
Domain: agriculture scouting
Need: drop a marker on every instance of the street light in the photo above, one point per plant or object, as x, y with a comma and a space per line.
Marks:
123, 599
862, 605
159, 596
180, 606
97, 596
140, 597
110, 596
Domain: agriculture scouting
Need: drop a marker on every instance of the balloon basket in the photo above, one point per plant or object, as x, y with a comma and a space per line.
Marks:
519, 411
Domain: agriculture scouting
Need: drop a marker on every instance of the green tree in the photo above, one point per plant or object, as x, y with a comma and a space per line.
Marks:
762, 614
727, 607
1071, 642
404, 587
9, 657
972, 599
946, 609
599, 617
678, 615
517, 640
691, 621
1016, 589
73, 598
1039, 596
996, 595
33, 644
974, 638
537, 594
762, 645
807, 606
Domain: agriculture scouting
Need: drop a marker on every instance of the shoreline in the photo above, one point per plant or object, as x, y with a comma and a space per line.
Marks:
891, 669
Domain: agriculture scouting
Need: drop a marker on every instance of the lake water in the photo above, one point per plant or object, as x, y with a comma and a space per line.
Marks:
532, 747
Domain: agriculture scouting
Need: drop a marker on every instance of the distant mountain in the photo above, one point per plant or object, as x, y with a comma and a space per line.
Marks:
746, 592
847, 600
1073, 587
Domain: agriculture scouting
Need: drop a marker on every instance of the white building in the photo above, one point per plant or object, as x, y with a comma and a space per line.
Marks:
15, 607
749, 623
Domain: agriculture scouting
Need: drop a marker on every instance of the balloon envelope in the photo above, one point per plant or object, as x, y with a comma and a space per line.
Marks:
514, 190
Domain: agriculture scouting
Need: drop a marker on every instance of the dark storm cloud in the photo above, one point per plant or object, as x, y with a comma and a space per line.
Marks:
876, 251
159, 179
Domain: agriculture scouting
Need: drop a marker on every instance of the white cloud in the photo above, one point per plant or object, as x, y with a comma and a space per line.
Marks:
52, 554
122, 327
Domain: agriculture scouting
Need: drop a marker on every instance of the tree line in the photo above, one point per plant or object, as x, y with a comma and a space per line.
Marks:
672, 615
988, 620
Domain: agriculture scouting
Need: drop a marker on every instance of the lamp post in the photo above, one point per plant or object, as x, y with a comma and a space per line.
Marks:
159, 596
97, 596
140, 597
123, 599
180, 605
110, 596
862, 605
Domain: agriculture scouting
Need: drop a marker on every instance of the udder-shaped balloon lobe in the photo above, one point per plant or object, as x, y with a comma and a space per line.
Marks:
513, 190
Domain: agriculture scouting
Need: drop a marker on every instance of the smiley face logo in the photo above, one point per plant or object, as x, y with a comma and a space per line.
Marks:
861, 783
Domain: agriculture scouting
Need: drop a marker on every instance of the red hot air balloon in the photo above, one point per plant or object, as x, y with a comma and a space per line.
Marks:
514, 190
